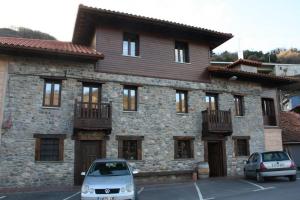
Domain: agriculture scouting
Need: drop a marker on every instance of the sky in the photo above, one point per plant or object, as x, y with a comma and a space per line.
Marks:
256, 25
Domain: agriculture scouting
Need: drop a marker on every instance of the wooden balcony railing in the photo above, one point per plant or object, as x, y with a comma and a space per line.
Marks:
216, 121
92, 116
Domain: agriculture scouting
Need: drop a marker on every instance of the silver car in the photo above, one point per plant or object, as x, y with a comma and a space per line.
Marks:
270, 164
109, 179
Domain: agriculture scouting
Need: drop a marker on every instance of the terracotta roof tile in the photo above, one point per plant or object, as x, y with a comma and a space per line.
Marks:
251, 76
245, 62
48, 46
290, 125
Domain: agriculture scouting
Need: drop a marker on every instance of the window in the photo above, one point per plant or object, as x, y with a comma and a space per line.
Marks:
130, 44
268, 110
181, 101
130, 98
183, 147
211, 101
239, 105
181, 52
49, 147
52, 93
130, 147
241, 145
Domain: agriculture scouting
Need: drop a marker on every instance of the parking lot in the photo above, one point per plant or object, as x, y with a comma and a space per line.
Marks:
208, 189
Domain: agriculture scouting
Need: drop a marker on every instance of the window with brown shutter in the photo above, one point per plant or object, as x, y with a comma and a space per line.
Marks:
268, 109
241, 145
130, 44
52, 93
130, 98
239, 105
130, 147
183, 147
181, 101
49, 147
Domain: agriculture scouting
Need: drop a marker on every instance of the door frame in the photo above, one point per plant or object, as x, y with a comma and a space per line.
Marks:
87, 136
223, 148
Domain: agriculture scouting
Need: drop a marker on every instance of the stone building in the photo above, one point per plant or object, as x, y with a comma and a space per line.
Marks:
131, 87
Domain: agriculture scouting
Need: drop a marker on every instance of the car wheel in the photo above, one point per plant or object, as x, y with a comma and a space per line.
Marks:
259, 178
293, 178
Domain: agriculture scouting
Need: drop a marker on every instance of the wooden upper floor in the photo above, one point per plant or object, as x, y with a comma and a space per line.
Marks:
142, 46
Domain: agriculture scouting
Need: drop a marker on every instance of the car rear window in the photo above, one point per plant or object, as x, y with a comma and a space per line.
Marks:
274, 156
109, 169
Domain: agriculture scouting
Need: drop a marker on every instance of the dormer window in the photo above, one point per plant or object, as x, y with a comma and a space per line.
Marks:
130, 44
181, 52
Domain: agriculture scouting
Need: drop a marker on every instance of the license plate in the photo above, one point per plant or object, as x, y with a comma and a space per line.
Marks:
277, 165
107, 198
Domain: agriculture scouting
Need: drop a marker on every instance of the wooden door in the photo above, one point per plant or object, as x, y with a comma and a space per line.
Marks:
216, 158
86, 153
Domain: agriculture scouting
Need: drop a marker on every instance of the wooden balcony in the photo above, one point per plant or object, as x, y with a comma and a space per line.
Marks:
216, 122
92, 116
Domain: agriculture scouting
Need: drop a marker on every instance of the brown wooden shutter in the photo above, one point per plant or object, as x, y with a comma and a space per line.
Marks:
175, 149
37, 149
120, 148
61, 149
139, 149
192, 148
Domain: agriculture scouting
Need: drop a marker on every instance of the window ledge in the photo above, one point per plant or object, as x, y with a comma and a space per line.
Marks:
131, 56
183, 159
239, 116
183, 63
182, 114
129, 111
270, 127
47, 162
49, 107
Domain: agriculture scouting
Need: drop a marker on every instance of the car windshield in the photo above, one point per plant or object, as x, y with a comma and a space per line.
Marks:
274, 156
109, 169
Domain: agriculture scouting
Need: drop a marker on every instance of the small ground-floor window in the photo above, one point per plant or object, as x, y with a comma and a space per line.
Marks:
130, 147
183, 147
241, 145
49, 147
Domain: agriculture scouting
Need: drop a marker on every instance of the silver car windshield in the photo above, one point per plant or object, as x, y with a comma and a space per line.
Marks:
274, 156
109, 169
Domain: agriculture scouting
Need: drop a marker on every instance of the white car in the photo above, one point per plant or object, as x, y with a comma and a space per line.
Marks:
270, 164
109, 180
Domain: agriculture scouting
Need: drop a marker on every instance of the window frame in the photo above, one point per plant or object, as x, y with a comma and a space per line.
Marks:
191, 148
239, 104
184, 46
185, 93
129, 88
52, 82
40, 137
236, 145
131, 37
138, 139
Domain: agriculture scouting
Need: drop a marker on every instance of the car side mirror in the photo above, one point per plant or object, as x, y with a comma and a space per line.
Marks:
135, 171
82, 174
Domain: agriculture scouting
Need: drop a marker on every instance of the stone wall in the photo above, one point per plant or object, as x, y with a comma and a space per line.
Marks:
156, 120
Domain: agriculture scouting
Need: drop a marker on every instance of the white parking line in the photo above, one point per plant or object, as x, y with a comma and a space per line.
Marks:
256, 185
298, 178
2, 197
198, 191
73, 195
211, 198
141, 190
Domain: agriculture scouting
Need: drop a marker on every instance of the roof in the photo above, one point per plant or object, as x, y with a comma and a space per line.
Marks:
53, 47
88, 18
245, 62
251, 76
290, 125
